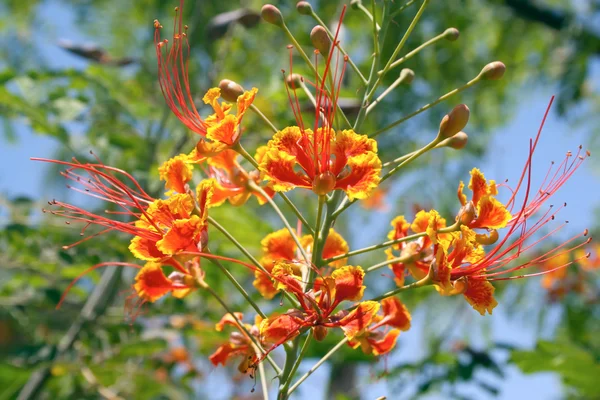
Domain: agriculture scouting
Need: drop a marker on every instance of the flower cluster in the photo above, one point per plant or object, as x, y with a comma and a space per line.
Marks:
495, 234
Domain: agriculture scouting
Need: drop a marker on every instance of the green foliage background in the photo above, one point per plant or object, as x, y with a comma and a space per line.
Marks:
119, 112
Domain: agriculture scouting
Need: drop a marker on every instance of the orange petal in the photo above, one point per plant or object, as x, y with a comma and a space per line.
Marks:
461, 196
400, 225
226, 160
224, 131
442, 271
491, 214
223, 354
349, 144
176, 173
395, 313
363, 178
480, 295
335, 245
145, 249
183, 235
348, 283
228, 319
244, 101
478, 184
263, 283
204, 193
151, 283
285, 279
279, 328
359, 319
279, 245
386, 344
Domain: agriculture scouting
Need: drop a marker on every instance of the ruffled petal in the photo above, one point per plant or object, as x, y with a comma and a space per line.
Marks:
176, 172
395, 313
349, 144
491, 214
244, 101
357, 321
279, 328
183, 235
478, 184
363, 177
151, 283
480, 295
384, 345
228, 319
348, 283
145, 249
224, 131
279, 245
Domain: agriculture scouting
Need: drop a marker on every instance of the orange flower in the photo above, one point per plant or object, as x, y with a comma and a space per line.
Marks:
239, 343
279, 246
232, 181
177, 173
416, 254
361, 325
322, 158
316, 306
222, 128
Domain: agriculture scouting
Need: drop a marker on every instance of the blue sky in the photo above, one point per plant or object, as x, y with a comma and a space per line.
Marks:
19, 176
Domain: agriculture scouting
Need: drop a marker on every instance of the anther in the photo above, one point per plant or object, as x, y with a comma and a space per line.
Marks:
585, 232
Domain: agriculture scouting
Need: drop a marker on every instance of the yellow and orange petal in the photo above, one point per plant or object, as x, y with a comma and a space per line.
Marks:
145, 249
480, 295
359, 319
279, 245
491, 214
335, 245
478, 185
204, 193
263, 283
184, 235
224, 131
348, 283
386, 344
400, 225
244, 101
222, 354
363, 178
176, 172
285, 279
442, 272
349, 144
279, 328
395, 313
228, 319
151, 283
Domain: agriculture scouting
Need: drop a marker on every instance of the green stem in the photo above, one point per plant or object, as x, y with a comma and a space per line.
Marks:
414, 156
254, 261
366, 11
317, 244
428, 106
317, 365
254, 186
264, 118
448, 229
239, 287
299, 359
420, 283
290, 357
405, 6
388, 262
242, 151
412, 53
243, 328
263, 378
331, 36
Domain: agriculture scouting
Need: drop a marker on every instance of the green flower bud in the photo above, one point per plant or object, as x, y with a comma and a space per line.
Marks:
455, 121
320, 39
451, 34
407, 75
493, 71
272, 15
304, 8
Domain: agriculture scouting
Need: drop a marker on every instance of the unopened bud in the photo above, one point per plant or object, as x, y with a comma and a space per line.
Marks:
230, 90
319, 333
466, 213
493, 71
272, 15
293, 81
407, 75
304, 8
354, 4
451, 34
455, 121
323, 183
320, 40
457, 141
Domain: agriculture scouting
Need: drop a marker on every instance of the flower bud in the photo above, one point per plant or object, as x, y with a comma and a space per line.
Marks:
272, 15
323, 183
451, 34
407, 75
230, 90
319, 333
354, 4
304, 8
457, 141
293, 81
455, 121
493, 71
320, 40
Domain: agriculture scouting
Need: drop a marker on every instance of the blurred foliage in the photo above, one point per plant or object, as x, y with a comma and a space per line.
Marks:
84, 73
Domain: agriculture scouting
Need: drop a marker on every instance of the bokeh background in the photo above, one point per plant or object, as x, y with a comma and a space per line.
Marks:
80, 75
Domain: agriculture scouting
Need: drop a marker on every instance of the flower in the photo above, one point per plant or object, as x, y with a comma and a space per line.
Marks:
279, 246
364, 331
239, 343
415, 255
323, 158
222, 128
317, 306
